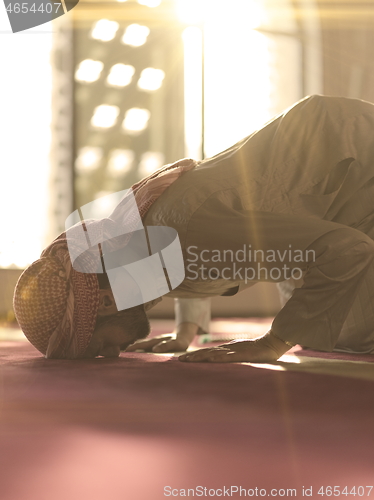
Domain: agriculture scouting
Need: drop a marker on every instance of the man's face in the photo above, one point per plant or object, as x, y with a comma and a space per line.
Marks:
116, 332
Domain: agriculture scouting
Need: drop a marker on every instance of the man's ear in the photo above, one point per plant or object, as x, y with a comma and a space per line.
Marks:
107, 304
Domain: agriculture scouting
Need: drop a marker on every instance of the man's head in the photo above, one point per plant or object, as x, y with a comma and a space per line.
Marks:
67, 314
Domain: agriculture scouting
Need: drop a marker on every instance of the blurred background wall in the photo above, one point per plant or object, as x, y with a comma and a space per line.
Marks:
106, 94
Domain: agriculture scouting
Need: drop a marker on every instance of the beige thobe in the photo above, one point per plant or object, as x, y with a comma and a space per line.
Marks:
306, 181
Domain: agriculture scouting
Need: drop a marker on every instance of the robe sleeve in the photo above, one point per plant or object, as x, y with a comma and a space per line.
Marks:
193, 311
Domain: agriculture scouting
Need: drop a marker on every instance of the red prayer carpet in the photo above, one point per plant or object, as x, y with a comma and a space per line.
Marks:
147, 426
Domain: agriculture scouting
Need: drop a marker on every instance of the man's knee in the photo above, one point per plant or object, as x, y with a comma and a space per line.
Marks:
347, 244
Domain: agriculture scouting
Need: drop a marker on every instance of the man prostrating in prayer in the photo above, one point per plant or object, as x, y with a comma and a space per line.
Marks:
294, 200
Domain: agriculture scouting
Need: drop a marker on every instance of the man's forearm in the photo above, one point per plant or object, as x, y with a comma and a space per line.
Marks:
187, 331
196, 311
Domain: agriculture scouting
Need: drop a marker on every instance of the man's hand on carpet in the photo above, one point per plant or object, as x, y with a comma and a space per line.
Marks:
263, 350
161, 343
171, 342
